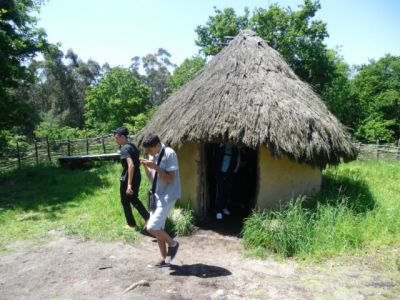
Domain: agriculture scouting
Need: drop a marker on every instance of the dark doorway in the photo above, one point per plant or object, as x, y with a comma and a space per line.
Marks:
243, 189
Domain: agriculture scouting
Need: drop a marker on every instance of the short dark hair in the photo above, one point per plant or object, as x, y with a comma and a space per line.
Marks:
121, 131
150, 140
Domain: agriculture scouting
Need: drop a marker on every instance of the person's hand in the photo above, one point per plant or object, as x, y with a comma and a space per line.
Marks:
143, 161
148, 163
129, 190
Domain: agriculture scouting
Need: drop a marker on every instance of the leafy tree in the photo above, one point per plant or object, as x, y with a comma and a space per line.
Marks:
377, 86
140, 120
338, 95
20, 41
118, 99
185, 72
211, 37
157, 72
134, 67
56, 132
87, 73
375, 128
9, 140
60, 92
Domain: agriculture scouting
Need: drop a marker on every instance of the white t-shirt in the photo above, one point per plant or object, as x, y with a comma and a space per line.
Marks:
167, 193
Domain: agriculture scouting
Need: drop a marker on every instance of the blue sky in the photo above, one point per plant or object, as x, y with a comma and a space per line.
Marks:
115, 31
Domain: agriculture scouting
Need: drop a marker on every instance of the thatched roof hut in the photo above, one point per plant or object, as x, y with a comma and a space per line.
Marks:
248, 95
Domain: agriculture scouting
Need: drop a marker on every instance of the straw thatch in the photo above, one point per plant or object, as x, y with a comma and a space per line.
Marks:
247, 94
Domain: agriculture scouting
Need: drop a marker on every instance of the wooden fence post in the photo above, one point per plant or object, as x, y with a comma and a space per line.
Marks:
87, 146
48, 148
18, 156
68, 147
36, 153
359, 150
104, 146
398, 149
377, 149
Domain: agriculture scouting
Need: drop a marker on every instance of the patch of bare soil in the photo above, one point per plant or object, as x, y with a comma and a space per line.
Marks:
208, 266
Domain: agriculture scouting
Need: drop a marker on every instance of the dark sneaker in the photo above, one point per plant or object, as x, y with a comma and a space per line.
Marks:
159, 264
172, 251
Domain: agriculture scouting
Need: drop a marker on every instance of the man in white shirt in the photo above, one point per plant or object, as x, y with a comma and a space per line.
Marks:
165, 173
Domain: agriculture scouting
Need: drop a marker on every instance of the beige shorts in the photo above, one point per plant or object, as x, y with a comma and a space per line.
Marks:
159, 216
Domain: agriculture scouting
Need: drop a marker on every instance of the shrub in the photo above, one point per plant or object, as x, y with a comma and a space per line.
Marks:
56, 132
181, 221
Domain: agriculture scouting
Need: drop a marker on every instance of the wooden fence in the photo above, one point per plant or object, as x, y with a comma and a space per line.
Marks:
46, 150
378, 151
27, 153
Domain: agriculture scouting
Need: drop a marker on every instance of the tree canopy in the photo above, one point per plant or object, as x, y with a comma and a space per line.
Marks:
116, 100
377, 87
339, 96
185, 72
157, 72
60, 92
20, 41
211, 37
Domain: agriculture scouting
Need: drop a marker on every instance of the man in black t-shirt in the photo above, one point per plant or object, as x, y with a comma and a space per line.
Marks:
130, 177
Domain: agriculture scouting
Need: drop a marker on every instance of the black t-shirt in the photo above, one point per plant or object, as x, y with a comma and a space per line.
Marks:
130, 150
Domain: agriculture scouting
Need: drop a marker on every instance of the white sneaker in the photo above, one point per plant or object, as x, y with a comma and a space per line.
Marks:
219, 216
226, 212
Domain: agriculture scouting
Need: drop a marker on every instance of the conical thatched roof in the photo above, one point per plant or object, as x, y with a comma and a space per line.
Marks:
247, 94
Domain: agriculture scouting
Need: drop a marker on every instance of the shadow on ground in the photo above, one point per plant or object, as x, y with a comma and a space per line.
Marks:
230, 225
350, 190
199, 270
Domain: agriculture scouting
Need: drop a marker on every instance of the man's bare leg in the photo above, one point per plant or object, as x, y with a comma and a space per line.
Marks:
163, 248
162, 235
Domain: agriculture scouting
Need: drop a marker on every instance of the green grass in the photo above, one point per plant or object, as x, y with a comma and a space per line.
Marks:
358, 208
40, 200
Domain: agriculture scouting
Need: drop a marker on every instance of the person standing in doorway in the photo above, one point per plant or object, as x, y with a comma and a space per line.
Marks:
163, 172
130, 177
228, 161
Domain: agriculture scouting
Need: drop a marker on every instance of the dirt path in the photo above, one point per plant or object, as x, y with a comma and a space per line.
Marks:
208, 266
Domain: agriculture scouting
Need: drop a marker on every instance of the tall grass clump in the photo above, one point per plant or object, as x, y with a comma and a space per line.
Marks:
284, 231
358, 206
181, 221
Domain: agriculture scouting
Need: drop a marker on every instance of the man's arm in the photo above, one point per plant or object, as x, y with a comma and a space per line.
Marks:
131, 168
148, 172
168, 177
146, 169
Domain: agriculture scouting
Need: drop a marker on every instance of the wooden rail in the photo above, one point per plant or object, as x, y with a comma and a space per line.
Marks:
45, 150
